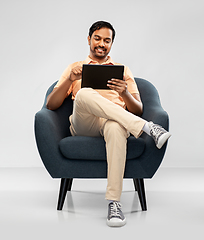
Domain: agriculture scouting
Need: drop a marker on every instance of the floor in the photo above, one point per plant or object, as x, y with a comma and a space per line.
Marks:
28, 199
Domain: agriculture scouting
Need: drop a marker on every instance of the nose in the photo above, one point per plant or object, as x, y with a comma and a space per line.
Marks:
101, 43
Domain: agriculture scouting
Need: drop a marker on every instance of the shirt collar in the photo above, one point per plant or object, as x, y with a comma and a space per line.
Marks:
109, 61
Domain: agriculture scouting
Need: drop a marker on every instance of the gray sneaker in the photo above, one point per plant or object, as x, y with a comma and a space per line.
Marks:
115, 215
159, 134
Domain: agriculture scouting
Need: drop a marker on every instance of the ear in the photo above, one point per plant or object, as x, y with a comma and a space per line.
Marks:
89, 40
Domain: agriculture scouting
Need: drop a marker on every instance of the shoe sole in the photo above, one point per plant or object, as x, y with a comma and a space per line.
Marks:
163, 138
116, 223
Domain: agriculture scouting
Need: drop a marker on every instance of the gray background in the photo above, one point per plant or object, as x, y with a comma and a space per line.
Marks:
161, 41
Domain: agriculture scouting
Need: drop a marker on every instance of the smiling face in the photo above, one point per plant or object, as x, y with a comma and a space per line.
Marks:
100, 44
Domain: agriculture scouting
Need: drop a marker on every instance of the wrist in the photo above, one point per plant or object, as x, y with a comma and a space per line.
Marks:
124, 94
70, 80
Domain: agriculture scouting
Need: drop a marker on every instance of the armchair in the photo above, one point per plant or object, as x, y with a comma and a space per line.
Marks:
67, 157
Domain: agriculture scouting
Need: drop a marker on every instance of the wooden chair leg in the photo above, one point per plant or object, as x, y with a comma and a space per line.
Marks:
65, 186
140, 188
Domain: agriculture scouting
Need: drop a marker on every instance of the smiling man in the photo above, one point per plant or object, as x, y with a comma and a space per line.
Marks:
112, 114
100, 44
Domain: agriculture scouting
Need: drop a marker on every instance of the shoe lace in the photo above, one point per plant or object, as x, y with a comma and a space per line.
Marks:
115, 209
156, 131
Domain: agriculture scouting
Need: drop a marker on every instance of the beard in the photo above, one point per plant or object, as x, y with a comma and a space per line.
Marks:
99, 52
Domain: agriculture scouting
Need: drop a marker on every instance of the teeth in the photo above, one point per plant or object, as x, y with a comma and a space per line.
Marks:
100, 50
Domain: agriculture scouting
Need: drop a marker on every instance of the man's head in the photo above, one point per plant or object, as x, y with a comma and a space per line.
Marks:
100, 39
101, 24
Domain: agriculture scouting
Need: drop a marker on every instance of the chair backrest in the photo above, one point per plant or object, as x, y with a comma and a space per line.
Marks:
48, 92
149, 96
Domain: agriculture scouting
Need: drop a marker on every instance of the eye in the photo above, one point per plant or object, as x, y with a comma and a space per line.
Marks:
96, 38
107, 40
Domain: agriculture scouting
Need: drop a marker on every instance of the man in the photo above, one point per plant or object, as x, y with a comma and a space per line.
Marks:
103, 113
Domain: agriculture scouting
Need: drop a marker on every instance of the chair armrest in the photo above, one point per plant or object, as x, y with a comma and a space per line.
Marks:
154, 112
49, 130
50, 124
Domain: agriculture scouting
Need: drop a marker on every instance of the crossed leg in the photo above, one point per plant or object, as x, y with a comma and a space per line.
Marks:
94, 115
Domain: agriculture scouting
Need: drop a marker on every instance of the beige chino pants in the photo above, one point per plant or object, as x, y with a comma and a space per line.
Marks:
94, 115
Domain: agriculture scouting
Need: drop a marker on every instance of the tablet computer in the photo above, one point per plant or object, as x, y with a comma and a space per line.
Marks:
96, 76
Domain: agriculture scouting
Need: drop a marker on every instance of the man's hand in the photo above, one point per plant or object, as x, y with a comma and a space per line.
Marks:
57, 96
132, 101
75, 74
118, 85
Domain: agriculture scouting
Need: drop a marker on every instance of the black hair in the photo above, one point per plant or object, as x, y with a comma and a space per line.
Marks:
101, 24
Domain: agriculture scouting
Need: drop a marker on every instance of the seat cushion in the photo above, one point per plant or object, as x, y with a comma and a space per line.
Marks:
93, 148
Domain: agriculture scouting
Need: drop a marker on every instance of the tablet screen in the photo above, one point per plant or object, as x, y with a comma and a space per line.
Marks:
96, 76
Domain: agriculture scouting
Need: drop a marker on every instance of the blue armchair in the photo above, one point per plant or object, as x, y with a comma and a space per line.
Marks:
67, 157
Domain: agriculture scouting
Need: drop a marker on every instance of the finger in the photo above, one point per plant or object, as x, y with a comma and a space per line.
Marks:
119, 84
114, 87
77, 71
119, 81
79, 68
111, 85
115, 82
